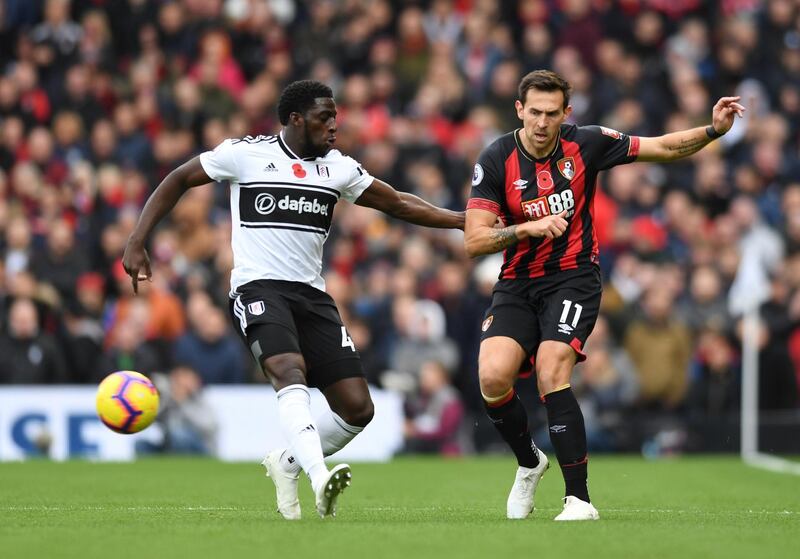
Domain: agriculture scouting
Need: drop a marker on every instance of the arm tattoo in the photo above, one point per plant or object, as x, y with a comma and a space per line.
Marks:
688, 146
503, 238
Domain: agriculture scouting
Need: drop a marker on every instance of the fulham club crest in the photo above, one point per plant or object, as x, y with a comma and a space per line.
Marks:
566, 167
256, 308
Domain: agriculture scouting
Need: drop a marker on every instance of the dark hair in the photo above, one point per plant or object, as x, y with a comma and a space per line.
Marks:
298, 97
544, 80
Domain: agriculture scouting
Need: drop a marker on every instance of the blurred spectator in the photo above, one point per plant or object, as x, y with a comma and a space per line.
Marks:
61, 262
160, 311
435, 413
660, 347
705, 305
208, 346
29, 355
714, 389
759, 242
133, 147
84, 333
442, 23
17, 245
777, 382
186, 420
421, 338
56, 38
78, 96
127, 349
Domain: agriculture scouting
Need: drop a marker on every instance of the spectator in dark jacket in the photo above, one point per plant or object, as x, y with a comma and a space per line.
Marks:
209, 347
28, 355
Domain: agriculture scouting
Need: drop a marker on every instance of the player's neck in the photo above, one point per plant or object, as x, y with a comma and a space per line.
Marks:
543, 153
294, 142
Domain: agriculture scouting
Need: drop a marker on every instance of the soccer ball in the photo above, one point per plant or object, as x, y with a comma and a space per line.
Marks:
127, 402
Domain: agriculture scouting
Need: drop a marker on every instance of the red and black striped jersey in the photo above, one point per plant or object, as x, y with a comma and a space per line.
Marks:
516, 186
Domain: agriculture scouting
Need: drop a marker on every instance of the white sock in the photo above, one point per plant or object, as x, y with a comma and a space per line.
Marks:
334, 433
294, 412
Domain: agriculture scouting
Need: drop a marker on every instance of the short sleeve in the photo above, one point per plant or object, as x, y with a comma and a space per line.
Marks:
610, 147
359, 181
488, 190
220, 163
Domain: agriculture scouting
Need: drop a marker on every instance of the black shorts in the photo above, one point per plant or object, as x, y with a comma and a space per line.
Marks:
561, 306
274, 317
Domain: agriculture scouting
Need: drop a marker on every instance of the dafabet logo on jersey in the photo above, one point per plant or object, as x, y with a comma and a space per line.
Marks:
290, 207
265, 204
303, 206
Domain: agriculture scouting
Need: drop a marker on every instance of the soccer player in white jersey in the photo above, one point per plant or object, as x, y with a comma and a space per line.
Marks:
283, 189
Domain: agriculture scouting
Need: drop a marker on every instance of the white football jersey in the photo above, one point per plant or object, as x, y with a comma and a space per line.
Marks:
281, 206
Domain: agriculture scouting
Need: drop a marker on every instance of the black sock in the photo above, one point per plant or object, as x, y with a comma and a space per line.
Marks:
511, 420
568, 435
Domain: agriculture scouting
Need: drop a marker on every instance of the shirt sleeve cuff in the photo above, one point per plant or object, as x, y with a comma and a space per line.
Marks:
207, 166
358, 189
484, 204
633, 146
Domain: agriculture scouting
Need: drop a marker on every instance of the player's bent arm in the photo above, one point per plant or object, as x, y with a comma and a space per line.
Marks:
675, 145
684, 143
408, 207
163, 199
166, 195
482, 237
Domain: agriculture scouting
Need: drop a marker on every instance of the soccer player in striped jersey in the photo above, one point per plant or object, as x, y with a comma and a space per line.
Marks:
540, 180
283, 190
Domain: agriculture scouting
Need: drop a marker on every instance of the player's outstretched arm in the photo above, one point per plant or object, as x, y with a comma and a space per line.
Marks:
408, 207
481, 236
135, 259
677, 145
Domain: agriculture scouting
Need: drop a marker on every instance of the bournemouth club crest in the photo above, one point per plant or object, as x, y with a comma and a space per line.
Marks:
566, 167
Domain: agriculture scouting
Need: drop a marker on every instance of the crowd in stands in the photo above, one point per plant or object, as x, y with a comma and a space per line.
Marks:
100, 99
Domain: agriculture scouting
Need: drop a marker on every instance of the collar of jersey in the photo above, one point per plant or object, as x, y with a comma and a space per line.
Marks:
529, 155
289, 151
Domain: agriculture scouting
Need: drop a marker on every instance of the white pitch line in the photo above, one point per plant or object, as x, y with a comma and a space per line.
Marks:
47, 508
614, 511
156, 508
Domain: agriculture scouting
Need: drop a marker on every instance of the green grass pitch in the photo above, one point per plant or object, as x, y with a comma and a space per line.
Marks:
411, 508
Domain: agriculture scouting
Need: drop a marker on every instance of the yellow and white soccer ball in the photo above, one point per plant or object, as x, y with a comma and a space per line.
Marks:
127, 402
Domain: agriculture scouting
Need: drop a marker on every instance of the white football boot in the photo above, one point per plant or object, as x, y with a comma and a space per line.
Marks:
285, 485
338, 478
576, 509
520, 500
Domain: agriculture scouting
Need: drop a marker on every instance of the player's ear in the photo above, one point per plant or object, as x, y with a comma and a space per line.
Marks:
519, 107
567, 111
296, 119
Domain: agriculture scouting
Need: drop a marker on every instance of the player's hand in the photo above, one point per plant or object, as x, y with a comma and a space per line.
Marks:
136, 263
550, 227
724, 112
